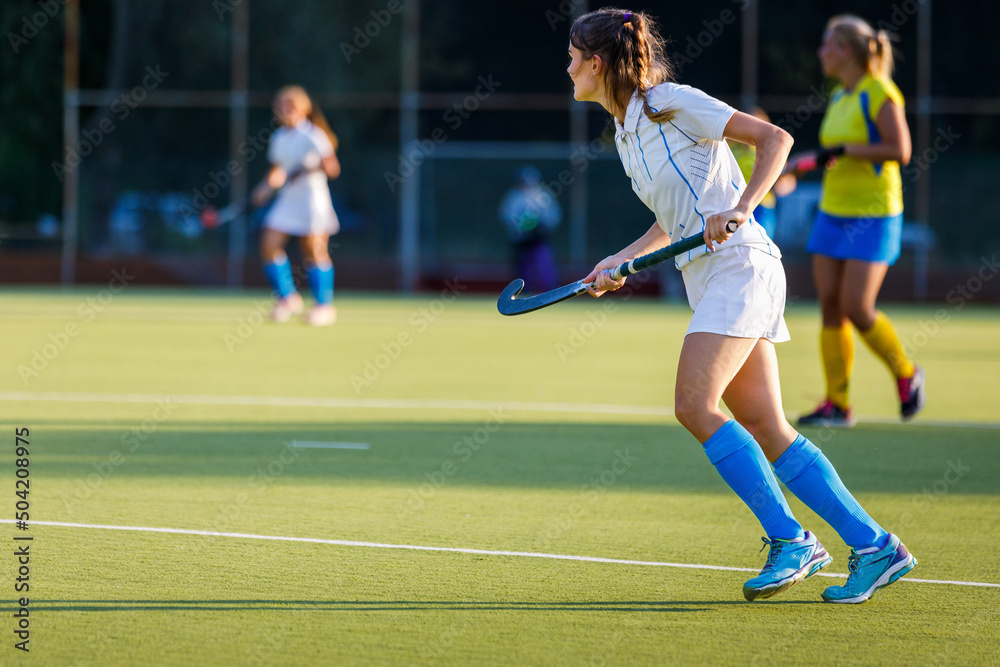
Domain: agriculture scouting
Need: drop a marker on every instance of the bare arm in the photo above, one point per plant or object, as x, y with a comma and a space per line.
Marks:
331, 165
772, 147
895, 145
274, 179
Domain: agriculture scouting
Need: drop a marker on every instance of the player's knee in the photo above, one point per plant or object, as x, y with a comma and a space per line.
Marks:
861, 317
688, 409
756, 427
830, 308
270, 249
764, 428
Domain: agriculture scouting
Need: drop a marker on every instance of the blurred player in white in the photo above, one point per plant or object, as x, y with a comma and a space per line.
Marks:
670, 139
303, 156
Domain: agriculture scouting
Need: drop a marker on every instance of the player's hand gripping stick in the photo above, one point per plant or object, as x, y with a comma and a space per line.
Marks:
509, 304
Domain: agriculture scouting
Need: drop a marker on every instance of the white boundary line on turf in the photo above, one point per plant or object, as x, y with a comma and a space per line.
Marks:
353, 403
313, 444
409, 404
482, 552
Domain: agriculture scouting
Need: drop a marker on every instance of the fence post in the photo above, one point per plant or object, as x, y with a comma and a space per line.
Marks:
71, 130
409, 116
238, 127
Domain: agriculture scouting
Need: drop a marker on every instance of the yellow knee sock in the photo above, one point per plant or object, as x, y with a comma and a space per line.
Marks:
884, 342
837, 348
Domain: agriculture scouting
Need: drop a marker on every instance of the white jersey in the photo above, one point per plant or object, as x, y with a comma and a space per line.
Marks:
682, 169
303, 205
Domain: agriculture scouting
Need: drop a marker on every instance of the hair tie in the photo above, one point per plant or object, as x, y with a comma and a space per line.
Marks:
628, 17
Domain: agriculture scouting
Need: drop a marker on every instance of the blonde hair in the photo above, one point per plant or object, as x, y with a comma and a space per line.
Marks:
633, 54
872, 49
316, 117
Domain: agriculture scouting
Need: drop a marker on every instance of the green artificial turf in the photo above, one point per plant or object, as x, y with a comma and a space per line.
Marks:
160, 410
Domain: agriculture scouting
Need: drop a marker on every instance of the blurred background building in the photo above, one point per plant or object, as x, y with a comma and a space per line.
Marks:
122, 120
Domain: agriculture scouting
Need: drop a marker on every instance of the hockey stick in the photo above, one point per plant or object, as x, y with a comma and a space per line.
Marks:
802, 163
509, 304
211, 217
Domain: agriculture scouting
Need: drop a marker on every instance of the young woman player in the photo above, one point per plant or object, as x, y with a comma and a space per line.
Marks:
302, 155
671, 142
857, 233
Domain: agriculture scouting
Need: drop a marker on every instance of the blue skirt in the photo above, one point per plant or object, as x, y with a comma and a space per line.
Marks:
863, 239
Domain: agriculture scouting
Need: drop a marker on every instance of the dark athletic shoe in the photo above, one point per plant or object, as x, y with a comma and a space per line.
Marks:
829, 414
911, 394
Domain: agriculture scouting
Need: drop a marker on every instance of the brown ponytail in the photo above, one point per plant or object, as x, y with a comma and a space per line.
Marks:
630, 45
317, 118
871, 50
884, 60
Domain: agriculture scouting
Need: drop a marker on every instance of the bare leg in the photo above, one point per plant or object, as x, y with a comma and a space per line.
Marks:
315, 249
707, 365
754, 398
272, 245
828, 274
861, 282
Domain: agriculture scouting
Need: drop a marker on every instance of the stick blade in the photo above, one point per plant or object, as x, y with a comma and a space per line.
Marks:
509, 304
506, 303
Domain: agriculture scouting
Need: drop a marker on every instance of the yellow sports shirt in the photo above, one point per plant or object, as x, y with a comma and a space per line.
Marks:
745, 156
855, 188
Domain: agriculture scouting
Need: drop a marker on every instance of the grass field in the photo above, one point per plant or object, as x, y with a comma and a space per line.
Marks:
549, 433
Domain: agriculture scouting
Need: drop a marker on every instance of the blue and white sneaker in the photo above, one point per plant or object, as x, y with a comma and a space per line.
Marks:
870, 570
789, 562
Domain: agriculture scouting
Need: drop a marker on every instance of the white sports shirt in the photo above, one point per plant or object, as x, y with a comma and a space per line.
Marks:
682, 169
303, 205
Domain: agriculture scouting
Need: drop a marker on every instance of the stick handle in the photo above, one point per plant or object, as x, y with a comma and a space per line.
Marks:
663, 254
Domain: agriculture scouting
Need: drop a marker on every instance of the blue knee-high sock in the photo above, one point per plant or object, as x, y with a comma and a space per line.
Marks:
279, 274
808, 474
740, 461
321, 283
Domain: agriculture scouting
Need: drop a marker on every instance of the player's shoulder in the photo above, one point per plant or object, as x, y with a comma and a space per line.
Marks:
318, 138
669, 93
684, 99
883, 87
837, 93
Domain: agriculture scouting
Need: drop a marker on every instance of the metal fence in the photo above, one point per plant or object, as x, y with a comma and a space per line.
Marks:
416, 153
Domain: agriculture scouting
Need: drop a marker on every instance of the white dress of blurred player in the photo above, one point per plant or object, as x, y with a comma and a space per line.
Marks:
302, 156
529, 214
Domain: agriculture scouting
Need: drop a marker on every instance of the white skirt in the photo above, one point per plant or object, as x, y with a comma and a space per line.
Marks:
304, 209
737, 291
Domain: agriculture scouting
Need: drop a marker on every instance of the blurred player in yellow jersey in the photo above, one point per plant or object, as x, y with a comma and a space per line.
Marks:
857, 233
766, 212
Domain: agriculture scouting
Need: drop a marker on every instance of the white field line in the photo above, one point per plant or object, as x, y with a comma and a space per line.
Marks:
329, 445
233, 316
351, 403
481, 552
410, 404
